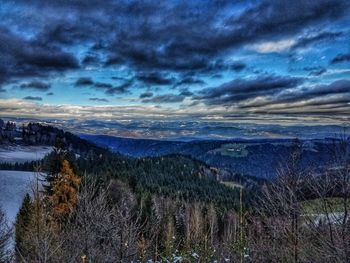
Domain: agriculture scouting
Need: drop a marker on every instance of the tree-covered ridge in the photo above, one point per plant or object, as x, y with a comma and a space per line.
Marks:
41, 134
174, 176
242, 156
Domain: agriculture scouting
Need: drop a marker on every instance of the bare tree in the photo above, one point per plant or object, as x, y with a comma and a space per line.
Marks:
328, 219
5, 239
42, 234
101, 230
276, 230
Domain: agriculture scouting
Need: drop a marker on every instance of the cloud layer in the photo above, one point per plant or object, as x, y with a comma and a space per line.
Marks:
178, 59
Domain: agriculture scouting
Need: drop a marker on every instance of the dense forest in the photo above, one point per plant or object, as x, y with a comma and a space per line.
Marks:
96, 206
236, 155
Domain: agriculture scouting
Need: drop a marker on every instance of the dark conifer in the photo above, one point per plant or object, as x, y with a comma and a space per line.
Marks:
22, 226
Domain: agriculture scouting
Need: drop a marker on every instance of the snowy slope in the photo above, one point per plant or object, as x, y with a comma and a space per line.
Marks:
13, 187
14, 154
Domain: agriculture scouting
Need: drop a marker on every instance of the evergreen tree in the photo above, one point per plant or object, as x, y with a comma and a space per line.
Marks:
22, 226
53, 165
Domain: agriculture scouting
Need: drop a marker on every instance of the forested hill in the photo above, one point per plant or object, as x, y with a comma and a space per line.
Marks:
174, 176
258, 157
38, 134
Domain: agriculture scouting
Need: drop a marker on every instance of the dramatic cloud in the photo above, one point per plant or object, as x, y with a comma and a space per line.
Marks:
335, 93
186, 92
36, 85
240, 89
189, 81
33, 98
108, 88
84, 81
20, 57
189, 42
339, 86
146, 95
121, 89
317, 72
99, 99
167, 98
341, 58
208, 59
155, 78
274, 46
308, 40
89, 60
237, 66
101, 85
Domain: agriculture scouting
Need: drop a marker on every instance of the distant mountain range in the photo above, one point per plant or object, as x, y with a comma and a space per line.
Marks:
258, 157
248, 157
190, 130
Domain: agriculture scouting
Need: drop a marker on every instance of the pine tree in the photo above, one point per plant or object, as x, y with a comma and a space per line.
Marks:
54, 164
22, 226
64, 192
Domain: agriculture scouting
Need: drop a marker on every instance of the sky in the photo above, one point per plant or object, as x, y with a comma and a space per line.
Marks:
257, 62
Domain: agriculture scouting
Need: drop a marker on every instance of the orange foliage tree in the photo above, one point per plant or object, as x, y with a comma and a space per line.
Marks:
65, 192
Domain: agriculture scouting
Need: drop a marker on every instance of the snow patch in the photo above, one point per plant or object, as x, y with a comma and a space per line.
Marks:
14, 185
21, 154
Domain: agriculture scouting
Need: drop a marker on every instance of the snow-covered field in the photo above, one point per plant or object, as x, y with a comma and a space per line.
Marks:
14, 154
13, 187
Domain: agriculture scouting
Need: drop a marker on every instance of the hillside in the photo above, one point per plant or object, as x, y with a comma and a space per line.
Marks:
259, 158
174, 176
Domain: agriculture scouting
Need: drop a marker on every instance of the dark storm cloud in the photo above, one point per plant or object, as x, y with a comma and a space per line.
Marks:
70, 32
336, 87
175, 44
186, 92
341, 58
146, 95
101, 85
337, 92
120, 89
90, 59
36, 85
84, 81
187, 40
108, 88
33, 98
22, 57
168, 36
155, 78
99, 99
237, 66
240, 89
307, 41
189, 81
317, 72
167, 98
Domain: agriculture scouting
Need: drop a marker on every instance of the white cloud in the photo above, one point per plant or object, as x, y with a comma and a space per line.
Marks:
274, 46
270, 113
